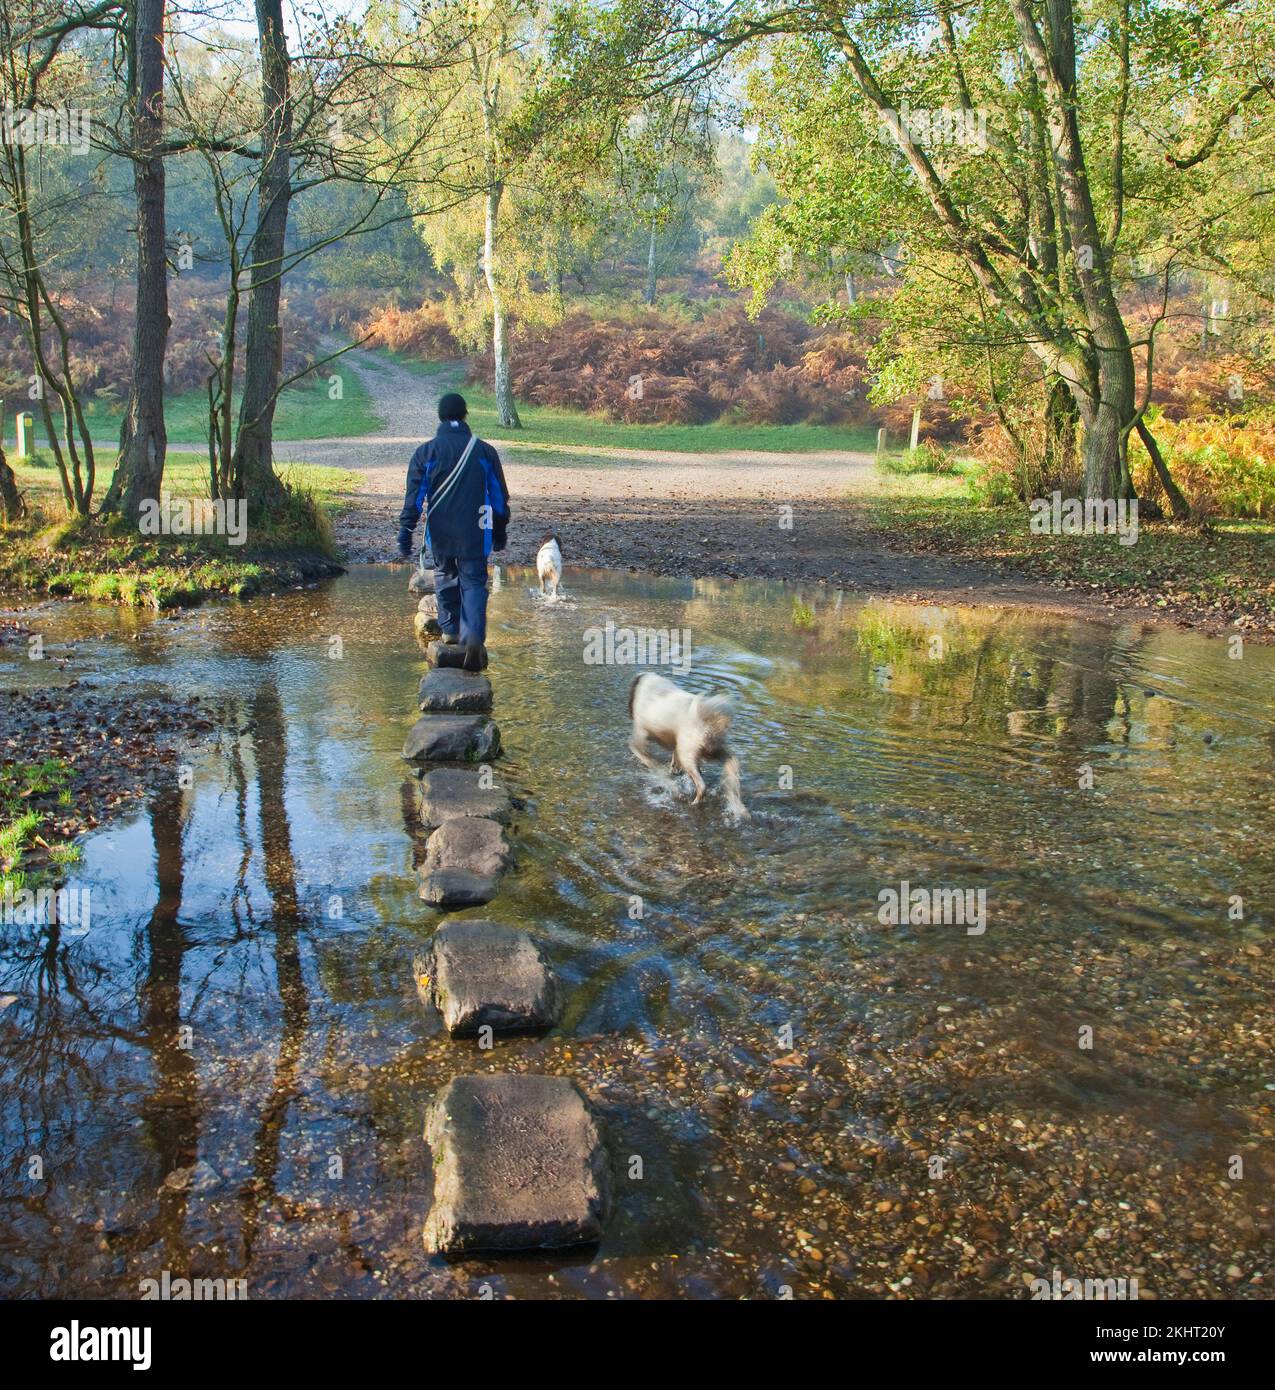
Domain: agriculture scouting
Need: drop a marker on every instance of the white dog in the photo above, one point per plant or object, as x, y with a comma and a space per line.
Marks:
549, 565
690, 727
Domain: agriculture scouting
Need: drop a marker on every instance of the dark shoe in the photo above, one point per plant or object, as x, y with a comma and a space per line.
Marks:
475, 656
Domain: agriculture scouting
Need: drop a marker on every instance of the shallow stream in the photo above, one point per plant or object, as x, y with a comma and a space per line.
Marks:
226, 1076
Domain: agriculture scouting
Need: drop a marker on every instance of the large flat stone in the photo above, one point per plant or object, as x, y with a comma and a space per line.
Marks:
483, 974
448, 654
454, 692
451, 738
470, 843
520, 1163
453, 888
421, 582
429, 606
448, 792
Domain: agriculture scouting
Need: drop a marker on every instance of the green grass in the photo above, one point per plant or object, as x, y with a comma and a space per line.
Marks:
927, 458
107, 560
28, 793
1227, 568
550, 427
303, 412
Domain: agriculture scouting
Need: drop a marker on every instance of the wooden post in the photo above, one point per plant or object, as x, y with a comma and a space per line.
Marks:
916, 427
880, 445
25, 422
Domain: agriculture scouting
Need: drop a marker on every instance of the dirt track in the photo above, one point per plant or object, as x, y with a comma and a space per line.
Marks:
662, 511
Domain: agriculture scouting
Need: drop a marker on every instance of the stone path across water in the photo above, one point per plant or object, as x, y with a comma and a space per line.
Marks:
487, 975
519, 1161
519, 1164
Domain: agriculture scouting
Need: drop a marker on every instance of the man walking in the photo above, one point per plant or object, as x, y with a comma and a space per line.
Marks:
457, 480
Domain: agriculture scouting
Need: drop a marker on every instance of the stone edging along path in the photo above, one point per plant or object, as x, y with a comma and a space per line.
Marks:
519, 1161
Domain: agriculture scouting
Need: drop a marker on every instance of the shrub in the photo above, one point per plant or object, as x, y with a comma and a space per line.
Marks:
1224, 467
991, 486
100, 322
424, 333
649, 366
927, 457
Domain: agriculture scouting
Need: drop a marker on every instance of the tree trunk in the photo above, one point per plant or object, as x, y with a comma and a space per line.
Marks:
255, 478
139, 470
1104, 451
10, 498
1062, 423
1178, 504
506, 410
1108, 401
221, 395
649, 296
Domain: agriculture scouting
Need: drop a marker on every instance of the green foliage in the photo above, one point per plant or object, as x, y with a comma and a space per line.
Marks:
1225, 467
927, 457
992, 487
27, 790
978, 289
883, 638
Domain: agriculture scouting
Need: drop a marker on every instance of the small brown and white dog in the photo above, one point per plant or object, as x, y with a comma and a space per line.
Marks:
549, 565
690, 727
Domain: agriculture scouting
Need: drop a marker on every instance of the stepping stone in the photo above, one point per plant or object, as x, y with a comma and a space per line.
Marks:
429, 606
519, 1164
421, 582
483, 974
454, 692
469, 843
452, 888
457, 791
424, 625
448, 654
452, 738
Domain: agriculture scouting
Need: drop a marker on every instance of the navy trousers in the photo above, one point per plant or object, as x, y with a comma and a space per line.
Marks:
461, 589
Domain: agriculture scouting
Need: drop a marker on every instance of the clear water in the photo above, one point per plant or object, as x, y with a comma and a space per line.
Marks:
777, 1067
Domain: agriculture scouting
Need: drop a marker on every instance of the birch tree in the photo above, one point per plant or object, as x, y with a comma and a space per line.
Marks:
486, 161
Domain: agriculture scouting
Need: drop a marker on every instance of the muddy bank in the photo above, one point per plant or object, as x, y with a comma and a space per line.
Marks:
117, 749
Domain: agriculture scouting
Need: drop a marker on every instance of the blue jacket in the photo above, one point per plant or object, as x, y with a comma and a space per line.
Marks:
465, 519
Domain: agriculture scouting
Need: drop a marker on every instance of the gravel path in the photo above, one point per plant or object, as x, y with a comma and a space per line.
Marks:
662, 511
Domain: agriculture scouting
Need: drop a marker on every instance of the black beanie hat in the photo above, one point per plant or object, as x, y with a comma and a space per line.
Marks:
452, 407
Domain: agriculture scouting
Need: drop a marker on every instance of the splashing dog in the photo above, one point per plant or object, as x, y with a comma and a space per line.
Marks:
549, 566
692, 728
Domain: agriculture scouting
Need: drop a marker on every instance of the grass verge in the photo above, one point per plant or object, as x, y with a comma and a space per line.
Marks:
47, 552
305, 410
1224, 572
